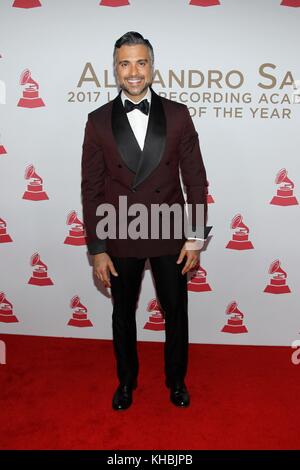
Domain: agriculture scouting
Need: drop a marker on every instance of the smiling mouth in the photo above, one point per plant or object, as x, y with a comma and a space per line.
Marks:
135, 81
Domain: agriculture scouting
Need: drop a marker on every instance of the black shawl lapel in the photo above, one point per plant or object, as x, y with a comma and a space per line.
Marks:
155, 140
142, 163
127, 144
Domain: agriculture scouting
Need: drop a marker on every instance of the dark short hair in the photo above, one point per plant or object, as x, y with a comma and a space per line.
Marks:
132, 38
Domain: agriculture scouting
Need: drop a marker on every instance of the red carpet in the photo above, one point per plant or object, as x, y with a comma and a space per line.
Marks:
56, 394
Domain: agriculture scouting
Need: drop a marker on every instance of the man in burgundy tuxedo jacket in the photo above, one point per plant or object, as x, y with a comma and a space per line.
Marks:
134, 147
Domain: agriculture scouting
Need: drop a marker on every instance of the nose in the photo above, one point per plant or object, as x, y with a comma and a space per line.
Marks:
133, 70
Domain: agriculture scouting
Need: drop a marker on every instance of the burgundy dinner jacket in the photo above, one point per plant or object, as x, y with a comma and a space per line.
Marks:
113, 165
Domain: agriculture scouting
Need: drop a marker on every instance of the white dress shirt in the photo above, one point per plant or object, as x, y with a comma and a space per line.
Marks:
138, 120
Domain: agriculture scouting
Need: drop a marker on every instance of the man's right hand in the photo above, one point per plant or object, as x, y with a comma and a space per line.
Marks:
103, 265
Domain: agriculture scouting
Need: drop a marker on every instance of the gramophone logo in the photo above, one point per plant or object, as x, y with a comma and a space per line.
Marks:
290, 3
4, 236
277, 283
40, 272
2, 148
26, 3
240, 235
285, 192
79, 316
30, 98
114, 3
204, 3
235, 321
156, 321
198, 282
34, 190
6, 310
209, 198
76, 235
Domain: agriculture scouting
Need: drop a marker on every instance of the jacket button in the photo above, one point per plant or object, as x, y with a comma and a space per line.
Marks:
167, 163
120, 166
157, 190
133, 190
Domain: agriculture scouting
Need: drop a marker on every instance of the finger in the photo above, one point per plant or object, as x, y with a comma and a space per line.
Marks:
97, 274
112, 268
106, 280
191, 266
181, 256
185, 269
101, 278
188, 265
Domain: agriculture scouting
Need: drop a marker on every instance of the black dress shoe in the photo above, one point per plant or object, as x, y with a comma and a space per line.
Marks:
122, 398
179, 395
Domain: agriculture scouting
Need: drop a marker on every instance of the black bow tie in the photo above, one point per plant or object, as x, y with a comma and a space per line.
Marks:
143, 106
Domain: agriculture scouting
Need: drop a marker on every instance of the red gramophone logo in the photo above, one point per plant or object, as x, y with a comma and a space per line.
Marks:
30, 98
156, 320
114, 3
2, 148
290, 3
198, 282
26, 3
34, 190
40, 272
235, 322
4, 236
6, 310
79, 316
240, 235
76, 235
204, 3
209, 198
277, 283
285, 192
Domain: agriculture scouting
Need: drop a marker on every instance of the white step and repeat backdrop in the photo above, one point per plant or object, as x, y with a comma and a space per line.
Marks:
235, 63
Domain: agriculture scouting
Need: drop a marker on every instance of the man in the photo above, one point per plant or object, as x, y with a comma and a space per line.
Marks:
133, 147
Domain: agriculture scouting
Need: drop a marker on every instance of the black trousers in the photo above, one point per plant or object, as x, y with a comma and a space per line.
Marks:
171, 289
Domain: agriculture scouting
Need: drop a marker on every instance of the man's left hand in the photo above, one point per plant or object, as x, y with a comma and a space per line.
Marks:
191, 249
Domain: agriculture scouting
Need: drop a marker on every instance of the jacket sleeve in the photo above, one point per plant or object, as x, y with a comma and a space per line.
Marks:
92, 186
194, 177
